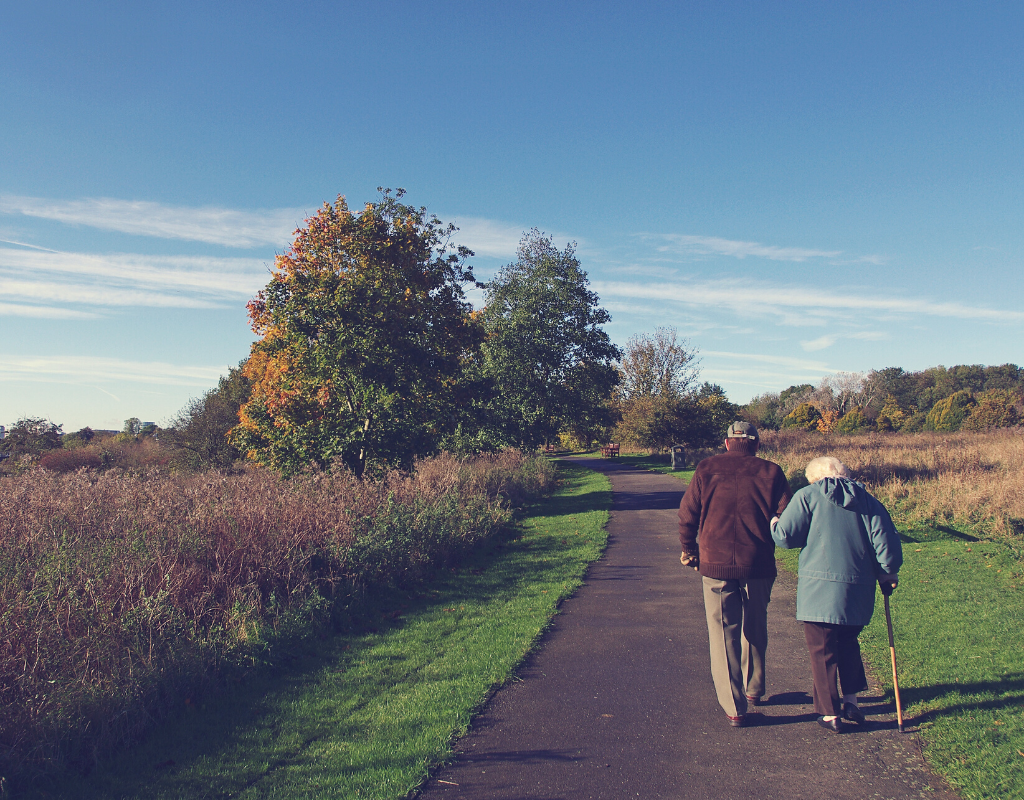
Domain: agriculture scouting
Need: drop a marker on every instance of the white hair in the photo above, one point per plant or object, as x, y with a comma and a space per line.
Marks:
825, 467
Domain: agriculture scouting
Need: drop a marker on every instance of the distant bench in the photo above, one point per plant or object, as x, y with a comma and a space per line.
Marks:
609, 451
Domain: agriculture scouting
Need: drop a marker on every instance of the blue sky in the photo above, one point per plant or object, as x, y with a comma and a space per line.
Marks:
798, 188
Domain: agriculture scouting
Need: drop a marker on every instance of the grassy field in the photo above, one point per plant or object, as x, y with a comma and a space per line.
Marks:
366, 715
958, 615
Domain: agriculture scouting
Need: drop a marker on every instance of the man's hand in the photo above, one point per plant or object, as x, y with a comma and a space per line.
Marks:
888, 585
774, 522
688, 560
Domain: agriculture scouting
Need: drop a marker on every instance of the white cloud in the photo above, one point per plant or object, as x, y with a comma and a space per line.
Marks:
224, 226
126, 279
487, 237
91, 370
870, 336
202, 274
42, 312
820, 343
747, 297
712, 245
63, 292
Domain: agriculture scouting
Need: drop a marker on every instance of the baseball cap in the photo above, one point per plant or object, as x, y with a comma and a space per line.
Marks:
742, 430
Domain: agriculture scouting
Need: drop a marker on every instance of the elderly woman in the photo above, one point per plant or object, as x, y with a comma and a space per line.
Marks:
849, 543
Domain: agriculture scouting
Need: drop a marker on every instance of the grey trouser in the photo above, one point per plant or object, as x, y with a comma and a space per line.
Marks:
737, 612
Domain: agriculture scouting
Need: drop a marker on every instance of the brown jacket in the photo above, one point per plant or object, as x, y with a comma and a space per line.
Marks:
729, 503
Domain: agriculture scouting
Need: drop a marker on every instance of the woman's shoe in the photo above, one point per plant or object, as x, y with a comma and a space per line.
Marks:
853, 713
835, 724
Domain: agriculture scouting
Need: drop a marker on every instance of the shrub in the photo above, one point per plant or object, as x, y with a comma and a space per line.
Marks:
852, 422
804, 417
123, 593
949, 413
70, 460
997, 408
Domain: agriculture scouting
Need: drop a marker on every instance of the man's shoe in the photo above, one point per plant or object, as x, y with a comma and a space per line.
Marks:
853, 713
754, 701
737, 722
835, 724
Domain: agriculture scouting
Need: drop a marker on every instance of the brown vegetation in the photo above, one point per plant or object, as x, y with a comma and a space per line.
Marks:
120, 592
968, 479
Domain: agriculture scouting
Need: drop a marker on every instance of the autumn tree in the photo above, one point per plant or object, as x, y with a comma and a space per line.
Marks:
550, 360
364, 329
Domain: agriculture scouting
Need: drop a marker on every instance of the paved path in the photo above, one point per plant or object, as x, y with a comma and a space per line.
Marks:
618, 701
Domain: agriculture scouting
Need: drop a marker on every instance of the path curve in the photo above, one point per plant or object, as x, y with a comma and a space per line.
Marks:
618, 700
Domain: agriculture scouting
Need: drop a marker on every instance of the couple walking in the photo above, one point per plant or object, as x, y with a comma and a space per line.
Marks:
737, 508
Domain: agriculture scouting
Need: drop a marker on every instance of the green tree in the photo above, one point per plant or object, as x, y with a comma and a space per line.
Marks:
996, 408
853, 421
31, 436
949, 413
200, 432
805, 416
364, 330
550, 361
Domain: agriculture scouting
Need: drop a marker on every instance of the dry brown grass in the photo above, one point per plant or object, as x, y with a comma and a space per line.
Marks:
121, 591
967, 479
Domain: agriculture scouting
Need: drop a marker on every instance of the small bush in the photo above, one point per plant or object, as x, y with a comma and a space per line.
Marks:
70, 460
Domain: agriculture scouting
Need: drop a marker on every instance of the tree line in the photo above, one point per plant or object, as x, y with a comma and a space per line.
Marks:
965, 397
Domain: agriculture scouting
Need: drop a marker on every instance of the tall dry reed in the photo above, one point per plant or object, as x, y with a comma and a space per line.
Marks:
973, 479
119, 592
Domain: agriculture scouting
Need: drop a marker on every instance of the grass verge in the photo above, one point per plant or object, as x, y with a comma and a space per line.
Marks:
958, 623
657, 464
368, 714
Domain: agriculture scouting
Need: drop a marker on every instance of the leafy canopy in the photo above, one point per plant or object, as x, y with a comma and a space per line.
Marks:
363, 331
550, 361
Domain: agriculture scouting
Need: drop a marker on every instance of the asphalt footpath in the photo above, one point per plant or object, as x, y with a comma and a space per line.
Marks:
617, 701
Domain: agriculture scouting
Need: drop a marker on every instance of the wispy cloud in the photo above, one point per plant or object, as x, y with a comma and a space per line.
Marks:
820, 343
487, 237
761, 371
713, 245
214, 225
127, 279
42, 312
748, 298
93, 370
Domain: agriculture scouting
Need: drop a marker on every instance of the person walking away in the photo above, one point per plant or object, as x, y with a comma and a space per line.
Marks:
849, 544
724, 520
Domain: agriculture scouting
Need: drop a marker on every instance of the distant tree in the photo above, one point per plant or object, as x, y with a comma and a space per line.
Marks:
949, 413
658, 364
199, 433
31, 436
79, 438
996, 408
364, 331
892, 416
805, 417
550, 360
707, 414
853, 421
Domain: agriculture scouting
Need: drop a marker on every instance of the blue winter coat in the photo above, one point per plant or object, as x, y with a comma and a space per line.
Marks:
848, 542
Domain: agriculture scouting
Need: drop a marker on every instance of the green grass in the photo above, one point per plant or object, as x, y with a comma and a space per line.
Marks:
657, 464
958, 622
368, 714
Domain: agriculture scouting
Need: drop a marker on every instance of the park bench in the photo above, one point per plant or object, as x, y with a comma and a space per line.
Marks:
609, 451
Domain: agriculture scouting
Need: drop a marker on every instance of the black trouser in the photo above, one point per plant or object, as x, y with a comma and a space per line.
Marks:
834, 648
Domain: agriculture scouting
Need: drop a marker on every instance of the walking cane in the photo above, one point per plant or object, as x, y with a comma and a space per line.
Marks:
892, 653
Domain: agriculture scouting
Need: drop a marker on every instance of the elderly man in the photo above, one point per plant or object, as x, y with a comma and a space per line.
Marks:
724, 531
